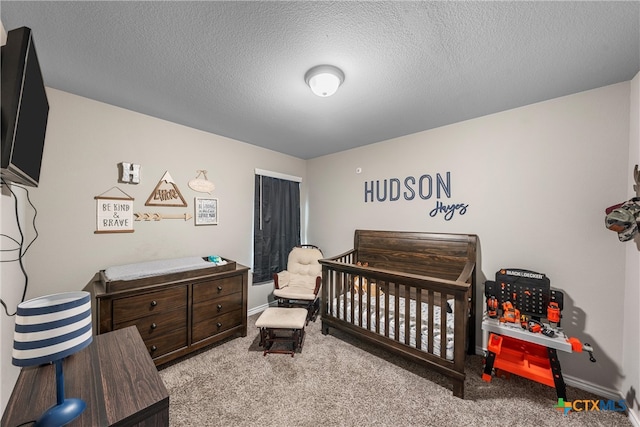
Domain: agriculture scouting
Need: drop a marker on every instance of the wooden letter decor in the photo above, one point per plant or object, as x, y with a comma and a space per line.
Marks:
114, 214
166, 193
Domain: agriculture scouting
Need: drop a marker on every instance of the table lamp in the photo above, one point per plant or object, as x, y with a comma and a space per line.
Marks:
48, 329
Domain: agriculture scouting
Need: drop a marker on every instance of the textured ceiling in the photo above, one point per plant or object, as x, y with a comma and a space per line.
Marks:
237, 68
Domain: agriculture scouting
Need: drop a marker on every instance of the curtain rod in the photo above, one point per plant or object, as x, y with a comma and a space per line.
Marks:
277, 175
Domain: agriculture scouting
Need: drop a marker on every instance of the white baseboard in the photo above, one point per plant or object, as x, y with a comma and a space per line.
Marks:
634, 417
605, 392
259, 309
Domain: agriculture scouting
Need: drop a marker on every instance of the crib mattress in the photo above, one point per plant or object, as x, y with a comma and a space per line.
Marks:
370, 322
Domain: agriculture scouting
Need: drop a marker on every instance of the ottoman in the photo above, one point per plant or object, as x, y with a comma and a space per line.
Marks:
282, 325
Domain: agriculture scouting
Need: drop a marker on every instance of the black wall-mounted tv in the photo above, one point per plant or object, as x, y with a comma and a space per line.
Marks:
25, 109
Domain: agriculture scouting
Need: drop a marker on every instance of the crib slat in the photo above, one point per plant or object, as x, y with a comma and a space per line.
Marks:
331, 290
352, 320
386, 314
335, 289
419, 319
368, 302
430, 322
443, 325
407, 316
396, 313
380, 286
359, 295
345, 289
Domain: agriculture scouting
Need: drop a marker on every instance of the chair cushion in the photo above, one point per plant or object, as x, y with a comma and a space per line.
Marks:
295, 292
304, 261
302, 269
282, 318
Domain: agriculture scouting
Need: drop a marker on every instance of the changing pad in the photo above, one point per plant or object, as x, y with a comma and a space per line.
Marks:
155, 268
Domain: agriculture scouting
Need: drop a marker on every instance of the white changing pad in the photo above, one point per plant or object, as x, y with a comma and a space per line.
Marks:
155, 268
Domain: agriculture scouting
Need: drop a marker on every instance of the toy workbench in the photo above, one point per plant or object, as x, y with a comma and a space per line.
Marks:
522, 320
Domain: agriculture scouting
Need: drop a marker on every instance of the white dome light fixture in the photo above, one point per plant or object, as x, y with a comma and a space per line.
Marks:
324, 80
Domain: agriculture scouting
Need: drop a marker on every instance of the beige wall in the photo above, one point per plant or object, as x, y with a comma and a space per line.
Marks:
537, 180
85, 142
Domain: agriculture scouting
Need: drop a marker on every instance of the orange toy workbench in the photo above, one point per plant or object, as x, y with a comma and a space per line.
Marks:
530, 355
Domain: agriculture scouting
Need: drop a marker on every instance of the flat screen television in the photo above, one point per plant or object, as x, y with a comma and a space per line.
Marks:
25, 109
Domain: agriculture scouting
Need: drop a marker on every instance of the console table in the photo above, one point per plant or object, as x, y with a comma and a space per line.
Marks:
114, 375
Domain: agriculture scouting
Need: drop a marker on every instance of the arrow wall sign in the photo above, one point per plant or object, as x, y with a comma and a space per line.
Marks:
143, 216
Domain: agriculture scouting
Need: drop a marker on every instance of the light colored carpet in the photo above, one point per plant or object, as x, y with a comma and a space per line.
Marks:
339, 381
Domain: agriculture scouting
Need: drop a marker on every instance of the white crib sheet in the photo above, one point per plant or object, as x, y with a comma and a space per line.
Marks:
370, 323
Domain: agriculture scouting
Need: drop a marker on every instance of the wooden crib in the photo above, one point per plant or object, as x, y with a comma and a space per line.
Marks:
412, 294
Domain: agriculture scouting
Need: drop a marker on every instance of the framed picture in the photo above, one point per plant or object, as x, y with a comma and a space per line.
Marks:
206, 211
114, 214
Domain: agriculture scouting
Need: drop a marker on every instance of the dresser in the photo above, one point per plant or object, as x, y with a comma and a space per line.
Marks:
176, 313
114, 376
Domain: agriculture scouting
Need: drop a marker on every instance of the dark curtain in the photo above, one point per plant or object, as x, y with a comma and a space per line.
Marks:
276, 225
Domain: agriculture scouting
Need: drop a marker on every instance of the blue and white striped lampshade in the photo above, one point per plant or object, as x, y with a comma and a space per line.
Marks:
52, 327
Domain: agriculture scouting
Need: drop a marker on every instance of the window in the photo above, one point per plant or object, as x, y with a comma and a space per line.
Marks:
276, 228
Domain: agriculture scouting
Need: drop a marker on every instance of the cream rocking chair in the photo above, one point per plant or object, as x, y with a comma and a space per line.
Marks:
299, 284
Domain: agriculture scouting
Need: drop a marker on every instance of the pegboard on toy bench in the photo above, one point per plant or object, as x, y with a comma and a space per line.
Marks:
528, 291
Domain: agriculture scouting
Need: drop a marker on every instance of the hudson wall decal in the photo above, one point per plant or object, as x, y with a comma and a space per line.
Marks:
425, 187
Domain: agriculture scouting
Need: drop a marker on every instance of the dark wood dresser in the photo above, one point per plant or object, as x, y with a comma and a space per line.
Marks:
114, 376
176, 313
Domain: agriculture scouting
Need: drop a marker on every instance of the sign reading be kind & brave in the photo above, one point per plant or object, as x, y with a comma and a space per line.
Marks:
114, 214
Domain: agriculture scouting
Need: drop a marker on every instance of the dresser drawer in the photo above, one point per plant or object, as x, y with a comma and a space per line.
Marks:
216, 307
157, 323
166, 343
216, 325
153, 302
216, 288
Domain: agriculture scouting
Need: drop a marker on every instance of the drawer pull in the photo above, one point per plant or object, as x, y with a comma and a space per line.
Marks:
154, 303
153, 326
219, 288
219, 325
153, 348
219, 307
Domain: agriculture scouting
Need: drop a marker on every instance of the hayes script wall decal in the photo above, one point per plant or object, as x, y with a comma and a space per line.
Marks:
411, 188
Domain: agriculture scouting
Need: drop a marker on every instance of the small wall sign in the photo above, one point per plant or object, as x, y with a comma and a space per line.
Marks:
206, 211
201, 185
114, 214
166, 193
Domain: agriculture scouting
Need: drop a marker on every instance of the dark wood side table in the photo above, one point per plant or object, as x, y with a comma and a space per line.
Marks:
115, 376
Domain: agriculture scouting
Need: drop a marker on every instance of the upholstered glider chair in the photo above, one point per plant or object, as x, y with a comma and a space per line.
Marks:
299, 284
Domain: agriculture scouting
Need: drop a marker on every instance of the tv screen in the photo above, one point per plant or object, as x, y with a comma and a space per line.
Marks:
25, 109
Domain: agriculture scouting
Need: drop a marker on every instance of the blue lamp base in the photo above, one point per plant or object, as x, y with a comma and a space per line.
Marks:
62, 414
65, 410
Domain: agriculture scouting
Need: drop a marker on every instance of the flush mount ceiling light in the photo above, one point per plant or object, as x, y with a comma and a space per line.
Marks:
324, 80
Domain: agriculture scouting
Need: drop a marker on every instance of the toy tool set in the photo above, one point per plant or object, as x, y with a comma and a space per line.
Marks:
524, 297
523, 317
